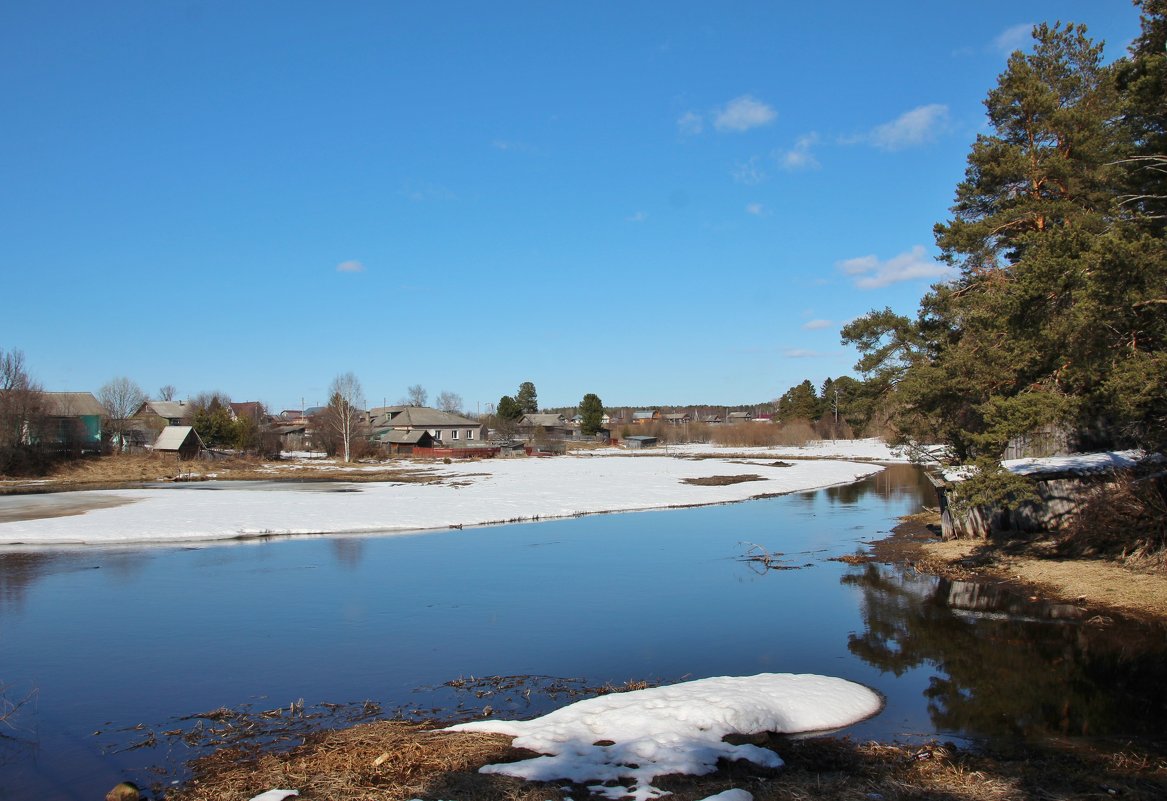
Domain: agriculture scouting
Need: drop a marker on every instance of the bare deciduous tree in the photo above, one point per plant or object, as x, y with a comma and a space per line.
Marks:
416, 395
167, 392
450, 402
121, 397
343, 417
21, 400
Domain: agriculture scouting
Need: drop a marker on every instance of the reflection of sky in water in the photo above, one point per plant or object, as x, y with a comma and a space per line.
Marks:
117, 637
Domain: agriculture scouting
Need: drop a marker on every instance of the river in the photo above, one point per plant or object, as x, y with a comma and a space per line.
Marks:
107, 653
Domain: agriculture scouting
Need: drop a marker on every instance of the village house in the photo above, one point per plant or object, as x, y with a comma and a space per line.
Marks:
249, 410
158, 413
72, 420
450, 430
550, 426
645, 417
677, 418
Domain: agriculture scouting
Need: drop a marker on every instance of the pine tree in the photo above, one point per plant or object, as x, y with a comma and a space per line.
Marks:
591, 409
527, 399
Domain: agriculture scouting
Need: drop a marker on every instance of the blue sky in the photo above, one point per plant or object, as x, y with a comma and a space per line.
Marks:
669, 203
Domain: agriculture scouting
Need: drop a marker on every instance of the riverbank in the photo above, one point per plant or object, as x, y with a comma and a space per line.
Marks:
395, 761
1098, 586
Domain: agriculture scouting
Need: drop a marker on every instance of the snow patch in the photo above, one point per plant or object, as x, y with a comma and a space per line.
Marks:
637, 736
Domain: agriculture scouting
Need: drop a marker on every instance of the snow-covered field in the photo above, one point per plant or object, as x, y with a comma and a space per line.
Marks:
461, 494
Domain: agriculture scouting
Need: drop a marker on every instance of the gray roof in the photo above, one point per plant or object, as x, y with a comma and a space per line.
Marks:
545, 420
395, 437
425, 417
173, 437
169, 409
72, 404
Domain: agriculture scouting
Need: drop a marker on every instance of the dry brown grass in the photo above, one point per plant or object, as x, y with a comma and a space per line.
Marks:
1128, 587
791, 434
721, 481
128, 470
393, 761
1126, 521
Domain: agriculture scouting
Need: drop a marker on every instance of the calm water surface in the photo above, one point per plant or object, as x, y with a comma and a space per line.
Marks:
114, 645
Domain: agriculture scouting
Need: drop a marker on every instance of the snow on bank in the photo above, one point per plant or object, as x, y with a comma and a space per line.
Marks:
462, 494
868, 450
675, 729
1080, 463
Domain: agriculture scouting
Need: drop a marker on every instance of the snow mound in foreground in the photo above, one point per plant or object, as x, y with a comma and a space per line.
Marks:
637, 736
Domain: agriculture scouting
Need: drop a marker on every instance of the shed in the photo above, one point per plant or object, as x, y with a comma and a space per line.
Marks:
181, 441
638, 442
402, 443
1062, 484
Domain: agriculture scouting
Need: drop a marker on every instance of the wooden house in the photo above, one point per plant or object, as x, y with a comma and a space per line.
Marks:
72, 420
450, 430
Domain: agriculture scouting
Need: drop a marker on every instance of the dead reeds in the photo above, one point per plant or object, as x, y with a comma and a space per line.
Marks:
1125, 520
394, 761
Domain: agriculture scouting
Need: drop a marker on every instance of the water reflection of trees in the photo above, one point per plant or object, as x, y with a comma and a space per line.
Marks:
18, 572
348, 551
895, 481
1005, 667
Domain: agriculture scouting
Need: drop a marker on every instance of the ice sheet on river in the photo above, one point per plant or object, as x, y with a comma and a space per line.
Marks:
460, 494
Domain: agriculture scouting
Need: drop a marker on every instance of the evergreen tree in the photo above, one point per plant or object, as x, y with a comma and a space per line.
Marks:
591, 409
1142, 82
526, 398
1056, 314
214, 424
800, 402
509, 408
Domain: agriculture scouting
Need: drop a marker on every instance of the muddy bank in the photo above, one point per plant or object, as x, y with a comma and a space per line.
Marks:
1031, 566
398, 760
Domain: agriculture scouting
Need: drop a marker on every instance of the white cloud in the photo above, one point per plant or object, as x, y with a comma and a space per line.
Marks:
748, 172
859, 265
915, 127
1014, 38
742, 114
690, 123
757, 209
801, 353
639, 216
352, 266
871, 273
799, 157
817, 325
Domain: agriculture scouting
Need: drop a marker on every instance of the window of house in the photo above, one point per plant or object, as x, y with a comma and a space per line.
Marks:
454, 434
469, 433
